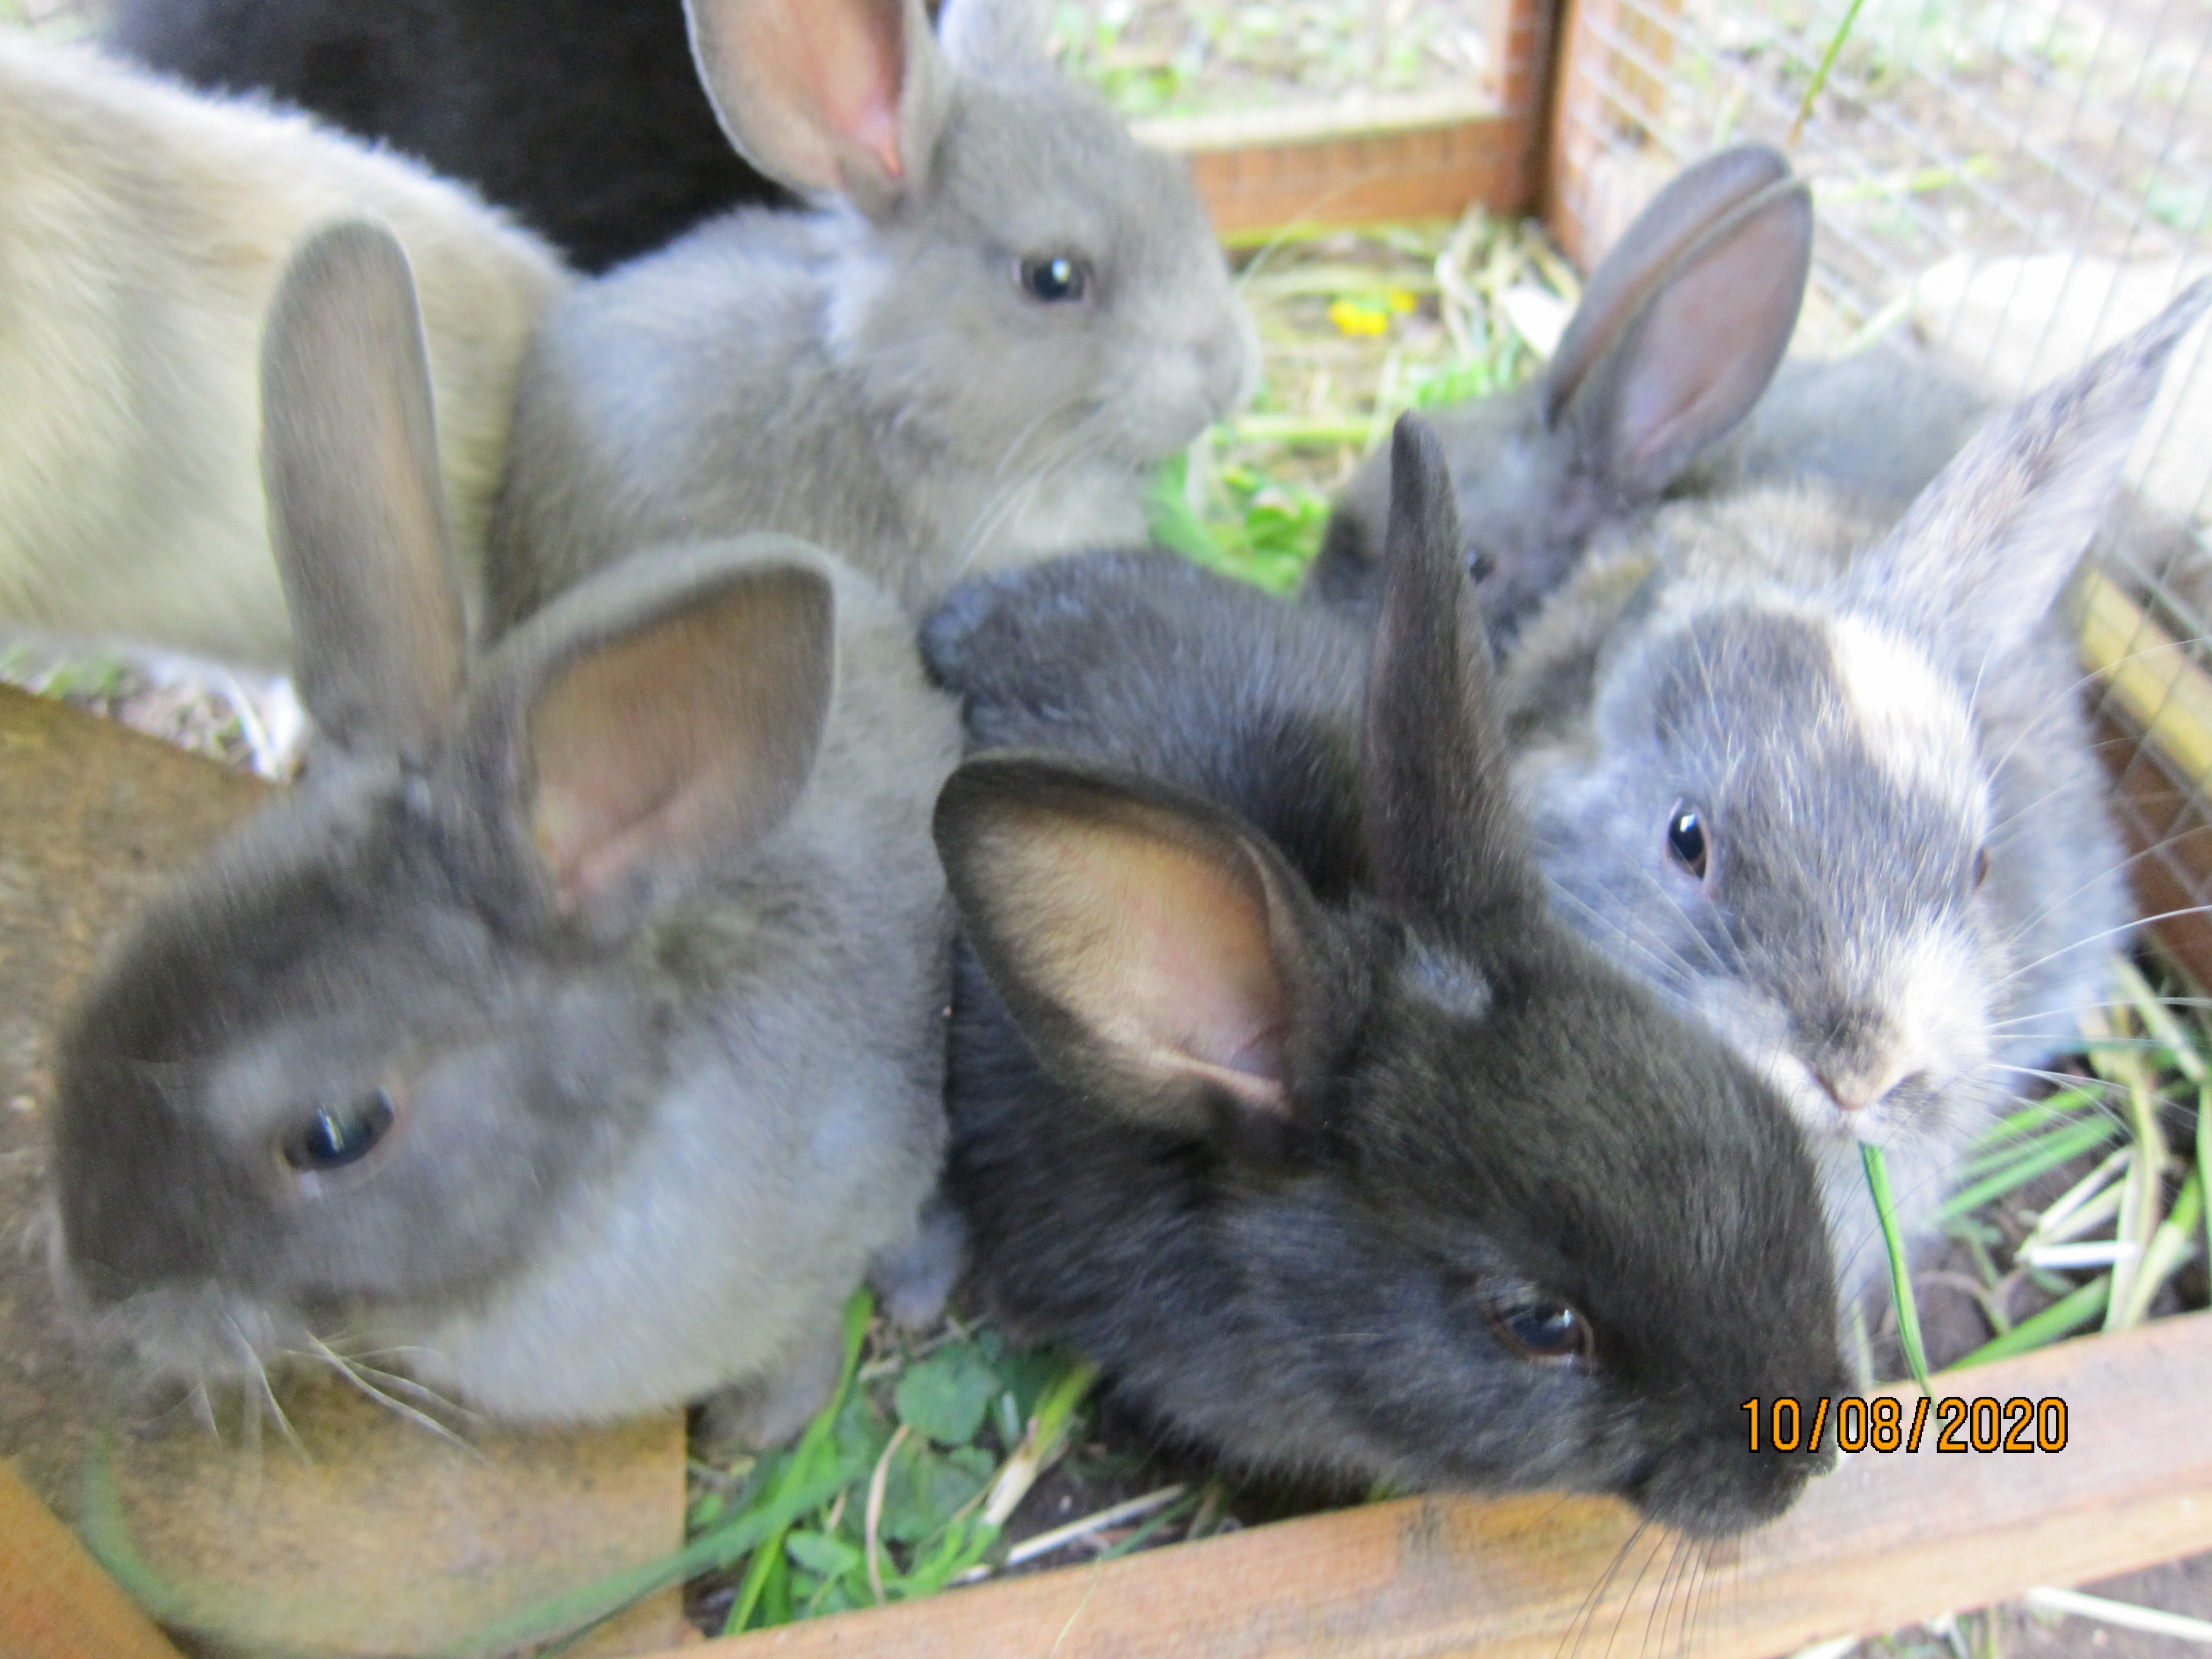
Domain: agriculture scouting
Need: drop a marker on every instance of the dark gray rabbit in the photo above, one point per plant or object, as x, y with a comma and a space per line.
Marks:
1678, 333
1000, 317
575, 1029
1823, 779
1274, 1088
583, 117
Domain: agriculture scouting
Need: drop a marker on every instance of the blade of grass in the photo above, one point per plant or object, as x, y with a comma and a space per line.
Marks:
1820, 75
2065, 1103
2053, 1150
1040, 1443
1900, 1273
2140, 1204
807, 1467
2204, 1157
1135, 1541
2068, 1313
2170, 1246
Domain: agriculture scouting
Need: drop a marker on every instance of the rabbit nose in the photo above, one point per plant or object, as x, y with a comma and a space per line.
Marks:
1854, 1096
1846, 1098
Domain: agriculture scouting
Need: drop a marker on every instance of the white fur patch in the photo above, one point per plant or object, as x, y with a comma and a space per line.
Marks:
1916, 723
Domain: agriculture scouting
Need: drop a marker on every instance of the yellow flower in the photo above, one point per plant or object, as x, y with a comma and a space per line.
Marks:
1357, 320
1369, 315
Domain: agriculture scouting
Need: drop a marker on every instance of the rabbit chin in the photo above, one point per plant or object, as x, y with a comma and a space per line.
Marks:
1920, 1090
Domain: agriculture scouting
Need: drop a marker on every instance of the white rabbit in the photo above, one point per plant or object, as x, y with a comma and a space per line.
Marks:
143, 229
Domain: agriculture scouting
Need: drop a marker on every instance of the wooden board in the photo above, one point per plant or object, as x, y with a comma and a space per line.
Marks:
1884, 1542
372, 1536
54, 1603
1372, 159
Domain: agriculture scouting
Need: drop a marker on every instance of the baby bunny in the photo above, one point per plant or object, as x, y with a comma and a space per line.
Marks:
584, 117
1677, 335
144, 229
576, 1027
1274, 1088
1826, 784
1001, 319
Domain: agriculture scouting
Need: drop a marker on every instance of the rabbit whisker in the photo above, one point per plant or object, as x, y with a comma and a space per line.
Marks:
346, 1368
1585, 1614
2121, 932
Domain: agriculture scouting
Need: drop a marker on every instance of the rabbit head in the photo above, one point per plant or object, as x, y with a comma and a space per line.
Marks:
1404, 1184
433, 1053
1830, 789
1677, 334
1002, 220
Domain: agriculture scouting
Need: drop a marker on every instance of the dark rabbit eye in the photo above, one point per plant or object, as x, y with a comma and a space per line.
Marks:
1479, 564
1981, 865
339, 1135
1685, 838
1056, 281
1550, 1333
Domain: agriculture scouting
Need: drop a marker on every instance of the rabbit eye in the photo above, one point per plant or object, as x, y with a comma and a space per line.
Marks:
1479, 564
1685, 838
1550, 1333
339, 1135
1057, 281
1981, 865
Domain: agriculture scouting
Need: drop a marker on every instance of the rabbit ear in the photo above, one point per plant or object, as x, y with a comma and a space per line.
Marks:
1159, 956
1684, 324
647, 728
349, 466
983, 34
841, 96
1448, 844
1980, 558
1702, 348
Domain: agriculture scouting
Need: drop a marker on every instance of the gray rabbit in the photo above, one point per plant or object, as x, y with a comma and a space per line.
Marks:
1274, 1088
1679, 332
576, 1027
1824, 779
1669, 383
977, 350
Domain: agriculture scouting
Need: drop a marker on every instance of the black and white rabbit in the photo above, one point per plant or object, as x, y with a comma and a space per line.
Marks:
582, 117
1824, 780
1000, 319
1274, 1088
576, 1028
1678, 333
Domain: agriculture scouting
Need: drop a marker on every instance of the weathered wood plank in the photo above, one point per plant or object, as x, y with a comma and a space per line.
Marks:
55, 1603
1885, 1540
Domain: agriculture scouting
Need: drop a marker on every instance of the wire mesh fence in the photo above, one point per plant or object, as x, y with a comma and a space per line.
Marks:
2022, 182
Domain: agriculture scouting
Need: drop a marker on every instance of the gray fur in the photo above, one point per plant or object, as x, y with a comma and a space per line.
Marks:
871, 375
1858, 707
1678, 333
666, 1087
1281, 1196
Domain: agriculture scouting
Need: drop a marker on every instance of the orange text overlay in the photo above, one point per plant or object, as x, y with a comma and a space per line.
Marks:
1984, 1424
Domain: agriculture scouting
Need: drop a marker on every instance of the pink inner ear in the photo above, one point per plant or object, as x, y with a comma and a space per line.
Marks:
1165, 951
683, 740
851, 55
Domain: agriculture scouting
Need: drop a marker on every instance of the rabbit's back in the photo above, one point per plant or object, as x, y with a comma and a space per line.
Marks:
143, 231
1143, 660
1876, 425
